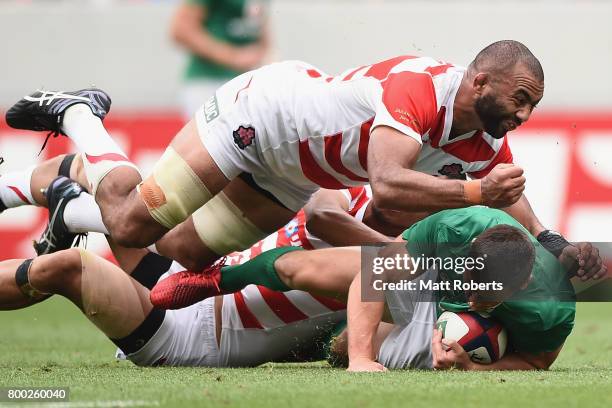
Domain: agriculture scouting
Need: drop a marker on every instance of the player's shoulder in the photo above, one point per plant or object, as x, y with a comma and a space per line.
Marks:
477, 213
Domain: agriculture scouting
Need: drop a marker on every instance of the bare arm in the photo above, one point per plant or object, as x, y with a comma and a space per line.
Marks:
186, 30
339, 345
523, 213
363, 321
520, 361
391, 155
327, 218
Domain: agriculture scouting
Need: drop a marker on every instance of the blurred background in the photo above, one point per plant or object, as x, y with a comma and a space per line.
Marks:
136, 50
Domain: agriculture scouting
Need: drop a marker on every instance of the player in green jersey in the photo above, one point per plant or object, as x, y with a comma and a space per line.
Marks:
224, 38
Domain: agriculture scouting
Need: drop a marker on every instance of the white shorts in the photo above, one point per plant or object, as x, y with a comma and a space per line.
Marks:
246, 127
185, 338
409, 345
414, 315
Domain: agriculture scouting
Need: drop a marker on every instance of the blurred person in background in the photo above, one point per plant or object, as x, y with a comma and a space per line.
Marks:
224, 38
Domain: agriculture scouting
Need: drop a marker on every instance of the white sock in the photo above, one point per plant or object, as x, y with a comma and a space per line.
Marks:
153, 248
101, 153
15, 188
82, 214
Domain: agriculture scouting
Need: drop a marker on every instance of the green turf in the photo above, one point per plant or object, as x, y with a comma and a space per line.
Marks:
53, 345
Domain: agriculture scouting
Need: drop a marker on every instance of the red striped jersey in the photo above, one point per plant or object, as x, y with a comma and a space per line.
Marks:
259, 307
323, 123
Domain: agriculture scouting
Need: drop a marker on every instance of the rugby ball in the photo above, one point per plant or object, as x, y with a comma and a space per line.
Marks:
483, 338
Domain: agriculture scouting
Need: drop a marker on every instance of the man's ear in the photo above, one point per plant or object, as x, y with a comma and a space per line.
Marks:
481, 80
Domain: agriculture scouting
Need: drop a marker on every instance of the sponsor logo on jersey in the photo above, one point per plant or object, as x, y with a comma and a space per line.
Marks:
211, 109
452, 171
243, 136
291, 227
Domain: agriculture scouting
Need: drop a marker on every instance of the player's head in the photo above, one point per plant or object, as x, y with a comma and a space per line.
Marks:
507, 257
508, 82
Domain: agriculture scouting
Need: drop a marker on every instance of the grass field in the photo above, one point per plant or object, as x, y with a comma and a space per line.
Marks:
53, 345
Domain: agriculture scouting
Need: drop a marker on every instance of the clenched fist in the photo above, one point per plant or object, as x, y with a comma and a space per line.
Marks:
503, 186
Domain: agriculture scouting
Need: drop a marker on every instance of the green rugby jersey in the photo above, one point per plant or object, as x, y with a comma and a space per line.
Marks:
536, 320
238, 22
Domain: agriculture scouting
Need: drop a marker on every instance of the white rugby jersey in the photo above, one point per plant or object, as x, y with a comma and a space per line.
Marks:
324, 122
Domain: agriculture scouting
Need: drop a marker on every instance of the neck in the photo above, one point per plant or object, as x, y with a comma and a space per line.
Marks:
465, 118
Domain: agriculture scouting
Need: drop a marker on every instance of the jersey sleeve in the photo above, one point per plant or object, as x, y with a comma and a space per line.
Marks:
504, 155
408, 104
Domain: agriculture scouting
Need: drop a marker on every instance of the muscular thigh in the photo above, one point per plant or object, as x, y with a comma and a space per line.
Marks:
183, 179
111, 299
236, 219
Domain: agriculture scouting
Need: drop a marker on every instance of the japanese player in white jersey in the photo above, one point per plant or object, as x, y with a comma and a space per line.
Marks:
254, 154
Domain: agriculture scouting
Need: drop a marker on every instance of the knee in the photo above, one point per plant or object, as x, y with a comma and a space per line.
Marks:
57, 272
291, 271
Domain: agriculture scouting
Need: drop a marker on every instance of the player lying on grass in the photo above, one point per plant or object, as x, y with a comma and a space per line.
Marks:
257, 151
538, 317
248, 328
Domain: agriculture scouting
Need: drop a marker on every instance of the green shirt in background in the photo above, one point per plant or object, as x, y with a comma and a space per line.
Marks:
538, 318
237, 22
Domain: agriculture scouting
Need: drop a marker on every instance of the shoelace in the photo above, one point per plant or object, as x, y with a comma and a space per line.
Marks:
207, 272
81, 237
54, 133
48, 240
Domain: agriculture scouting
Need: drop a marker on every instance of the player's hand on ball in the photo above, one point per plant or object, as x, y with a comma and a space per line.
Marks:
590, 264
365, 365
503, 186
448, 354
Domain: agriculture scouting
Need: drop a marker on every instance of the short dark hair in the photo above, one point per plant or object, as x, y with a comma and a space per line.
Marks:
508, 256
506, 54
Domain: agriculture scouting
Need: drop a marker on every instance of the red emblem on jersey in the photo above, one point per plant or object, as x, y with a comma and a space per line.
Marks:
453, 171
243, 136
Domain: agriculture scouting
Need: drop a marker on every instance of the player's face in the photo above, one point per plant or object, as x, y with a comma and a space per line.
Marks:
508, 102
